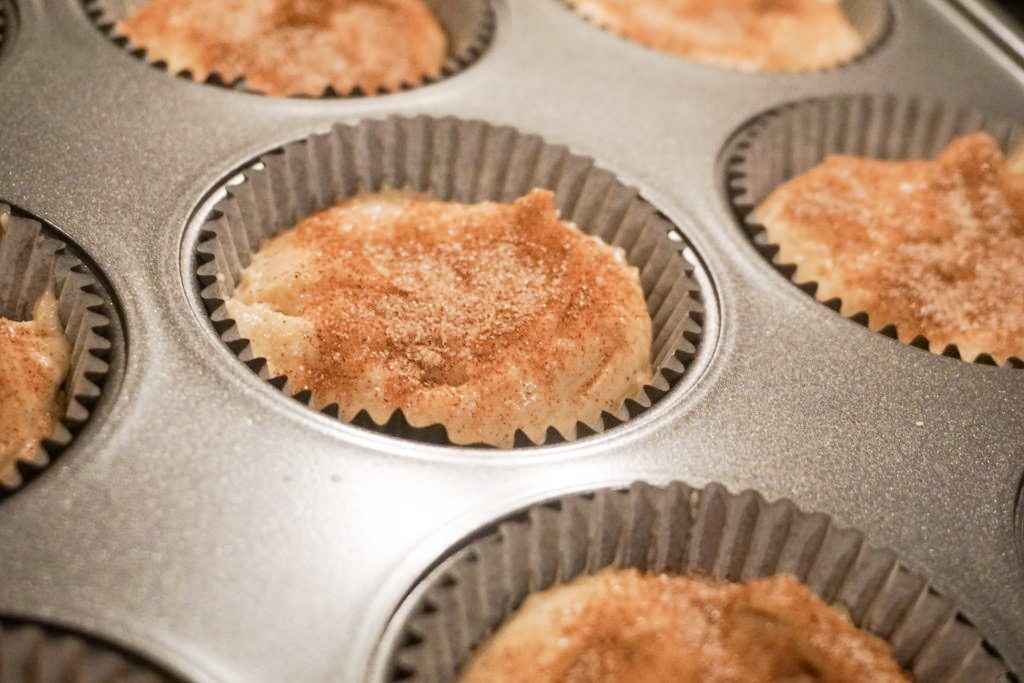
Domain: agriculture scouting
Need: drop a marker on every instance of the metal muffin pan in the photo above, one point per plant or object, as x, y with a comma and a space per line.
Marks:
226, 533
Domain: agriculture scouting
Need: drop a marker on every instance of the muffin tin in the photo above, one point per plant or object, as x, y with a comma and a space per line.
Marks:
210, 525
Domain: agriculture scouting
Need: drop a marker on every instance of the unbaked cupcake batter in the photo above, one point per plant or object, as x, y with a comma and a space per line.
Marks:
934, 247
34, 358
756, 35
486, 318
293, 47
621, 626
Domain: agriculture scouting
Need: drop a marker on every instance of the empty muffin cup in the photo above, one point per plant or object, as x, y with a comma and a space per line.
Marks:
650, 24
459, 161
37, 653
788, 141
678, 530
34, 259
468, 26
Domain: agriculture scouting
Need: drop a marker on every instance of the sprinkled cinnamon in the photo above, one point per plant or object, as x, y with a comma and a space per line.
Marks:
292, 47
768, 35
486, 318
621, 626
33, 363
934, 247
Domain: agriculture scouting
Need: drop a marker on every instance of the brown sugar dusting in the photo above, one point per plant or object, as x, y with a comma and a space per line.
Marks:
621, 626
769, 35
933, 247
293, 47
33, 363
475, 316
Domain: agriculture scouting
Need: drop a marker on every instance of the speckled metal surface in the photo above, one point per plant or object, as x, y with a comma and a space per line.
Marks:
229, 534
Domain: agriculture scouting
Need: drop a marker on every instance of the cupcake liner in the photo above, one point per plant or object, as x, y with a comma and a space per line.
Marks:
870, 18
463, 161
34, 653
790, 140
32, 260
468, 25
677, 530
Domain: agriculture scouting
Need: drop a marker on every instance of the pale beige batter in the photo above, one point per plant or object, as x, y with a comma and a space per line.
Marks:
934, 247
755, 35
621, 626
293, 47
486, 318
34, 357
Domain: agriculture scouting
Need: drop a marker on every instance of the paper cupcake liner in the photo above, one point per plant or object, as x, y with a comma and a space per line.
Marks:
790, 140
468, 25
33, 259
462, 161
870, 18
34, 653
5, 11
676, 530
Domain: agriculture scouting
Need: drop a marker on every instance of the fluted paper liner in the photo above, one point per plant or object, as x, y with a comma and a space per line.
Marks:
33, 259
870, 19
463, 161
5, 10
677, 530
34, 653
790, 140
468, 26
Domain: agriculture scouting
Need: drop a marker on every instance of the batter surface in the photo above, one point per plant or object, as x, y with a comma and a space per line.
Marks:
934, 247
34, 358
621, 626
293, 47
485, 318
756, 35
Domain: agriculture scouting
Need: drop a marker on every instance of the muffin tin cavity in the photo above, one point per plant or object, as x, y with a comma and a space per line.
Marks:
681, 530
34, 258
787, 141
34, 653
462, 161
871, 19
468, 26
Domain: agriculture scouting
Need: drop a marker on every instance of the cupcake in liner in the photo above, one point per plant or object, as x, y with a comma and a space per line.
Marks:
461, 161
34, 653
676, 530
33, 260
792, 139
871, 19
468, 26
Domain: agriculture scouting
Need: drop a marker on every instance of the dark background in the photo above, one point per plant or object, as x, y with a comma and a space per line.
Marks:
1014, 7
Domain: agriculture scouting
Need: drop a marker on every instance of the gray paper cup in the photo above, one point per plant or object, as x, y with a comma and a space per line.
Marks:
34, 259
789, 140
677, 530
462, 161
35, 653
468, 26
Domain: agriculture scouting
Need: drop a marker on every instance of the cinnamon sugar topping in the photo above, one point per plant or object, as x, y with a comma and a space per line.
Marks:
486, 318
933, 247
34, 358
765, 35
293, 47
622, 626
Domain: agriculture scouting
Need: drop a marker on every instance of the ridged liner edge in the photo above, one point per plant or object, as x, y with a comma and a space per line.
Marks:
788, 140
677, 529
36, 653
468, 24
40, 259
465, 161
